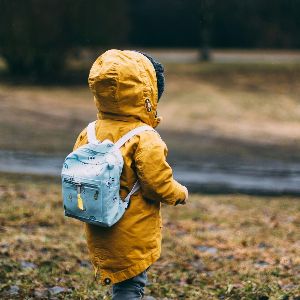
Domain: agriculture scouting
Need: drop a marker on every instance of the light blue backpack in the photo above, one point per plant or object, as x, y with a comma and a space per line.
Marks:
91, 180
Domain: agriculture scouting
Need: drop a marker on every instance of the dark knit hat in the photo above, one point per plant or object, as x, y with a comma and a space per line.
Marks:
159, 70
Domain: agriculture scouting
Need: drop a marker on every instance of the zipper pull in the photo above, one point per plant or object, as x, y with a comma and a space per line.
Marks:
79, 199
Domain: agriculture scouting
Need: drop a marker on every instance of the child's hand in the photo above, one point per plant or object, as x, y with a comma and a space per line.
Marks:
186, 193
183, 202
186, 196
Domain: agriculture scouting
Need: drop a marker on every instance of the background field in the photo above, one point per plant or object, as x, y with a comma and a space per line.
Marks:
216, 247
207, 106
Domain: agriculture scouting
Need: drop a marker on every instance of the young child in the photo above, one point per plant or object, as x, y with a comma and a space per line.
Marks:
127, 86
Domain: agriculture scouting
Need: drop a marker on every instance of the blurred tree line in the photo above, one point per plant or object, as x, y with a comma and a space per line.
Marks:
37, 35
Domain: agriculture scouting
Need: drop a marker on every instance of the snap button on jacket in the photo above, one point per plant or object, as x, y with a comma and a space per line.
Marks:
124, 87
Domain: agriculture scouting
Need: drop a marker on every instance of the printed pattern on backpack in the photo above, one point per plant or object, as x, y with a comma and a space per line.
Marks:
91, 180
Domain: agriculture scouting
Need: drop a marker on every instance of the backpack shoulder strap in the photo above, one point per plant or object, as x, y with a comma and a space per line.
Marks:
120, 143
132, 133
135, 188
91, 133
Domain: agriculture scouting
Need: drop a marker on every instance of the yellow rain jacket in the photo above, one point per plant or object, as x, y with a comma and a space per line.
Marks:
125, 92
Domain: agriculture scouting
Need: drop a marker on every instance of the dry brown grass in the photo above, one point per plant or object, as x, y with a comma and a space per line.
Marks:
215, 247
255, 103
252, 103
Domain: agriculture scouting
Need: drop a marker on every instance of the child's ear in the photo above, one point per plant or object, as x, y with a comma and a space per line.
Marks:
159, 119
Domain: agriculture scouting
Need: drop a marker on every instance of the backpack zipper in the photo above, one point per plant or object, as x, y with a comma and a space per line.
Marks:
72, 182
79, 199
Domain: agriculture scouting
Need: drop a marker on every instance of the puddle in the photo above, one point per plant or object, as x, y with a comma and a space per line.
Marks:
263, 177
30, 163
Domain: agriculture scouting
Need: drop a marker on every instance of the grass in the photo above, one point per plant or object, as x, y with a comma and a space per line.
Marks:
256, 103
216, 247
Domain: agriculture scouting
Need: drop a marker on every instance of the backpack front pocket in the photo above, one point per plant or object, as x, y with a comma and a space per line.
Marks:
92, 199
82, 200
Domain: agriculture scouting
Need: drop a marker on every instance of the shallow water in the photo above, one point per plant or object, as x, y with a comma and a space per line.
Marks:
30, 163
261, 177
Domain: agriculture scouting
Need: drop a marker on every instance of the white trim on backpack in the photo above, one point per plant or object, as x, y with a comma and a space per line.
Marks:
132, 133
134, 189
91, 135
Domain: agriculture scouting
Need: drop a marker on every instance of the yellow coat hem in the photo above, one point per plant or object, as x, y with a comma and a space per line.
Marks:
128, 273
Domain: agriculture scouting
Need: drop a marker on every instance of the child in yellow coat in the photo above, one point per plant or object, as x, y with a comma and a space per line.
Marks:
127, 86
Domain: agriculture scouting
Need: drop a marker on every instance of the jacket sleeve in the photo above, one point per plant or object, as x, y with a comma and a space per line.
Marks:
154, 173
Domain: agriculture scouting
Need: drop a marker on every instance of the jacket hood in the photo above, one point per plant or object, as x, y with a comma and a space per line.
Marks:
124, 85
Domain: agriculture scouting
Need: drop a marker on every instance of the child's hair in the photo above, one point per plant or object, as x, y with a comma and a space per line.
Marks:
159, 70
